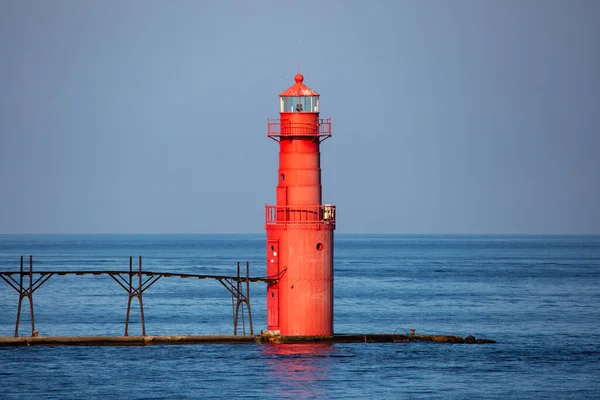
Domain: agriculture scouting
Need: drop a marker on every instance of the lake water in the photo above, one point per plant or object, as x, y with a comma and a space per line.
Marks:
538, 296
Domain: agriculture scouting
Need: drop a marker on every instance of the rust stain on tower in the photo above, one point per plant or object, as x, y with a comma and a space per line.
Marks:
299, 227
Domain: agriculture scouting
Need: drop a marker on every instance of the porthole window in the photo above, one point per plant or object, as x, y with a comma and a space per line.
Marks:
319, 246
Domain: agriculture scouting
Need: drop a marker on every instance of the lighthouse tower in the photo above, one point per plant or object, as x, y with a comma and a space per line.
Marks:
299, 227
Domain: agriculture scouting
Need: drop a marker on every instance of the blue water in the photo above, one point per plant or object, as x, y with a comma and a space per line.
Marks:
538, 296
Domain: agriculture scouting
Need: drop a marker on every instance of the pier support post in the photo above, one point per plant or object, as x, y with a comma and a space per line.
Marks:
25, 291
135, 292
243, 299
240, 297
248, 297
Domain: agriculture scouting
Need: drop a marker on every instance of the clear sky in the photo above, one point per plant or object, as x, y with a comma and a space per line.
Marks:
448, 116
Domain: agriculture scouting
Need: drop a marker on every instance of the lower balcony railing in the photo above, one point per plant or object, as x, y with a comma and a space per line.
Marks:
321, 214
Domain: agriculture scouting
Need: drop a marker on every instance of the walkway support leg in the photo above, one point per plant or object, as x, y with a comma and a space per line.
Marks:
25, 293
139, 296
242, 299
20, 300
135, 292
129, 296
248, 296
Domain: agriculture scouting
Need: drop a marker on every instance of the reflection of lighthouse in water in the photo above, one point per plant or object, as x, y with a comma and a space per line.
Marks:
295, 368
299, 227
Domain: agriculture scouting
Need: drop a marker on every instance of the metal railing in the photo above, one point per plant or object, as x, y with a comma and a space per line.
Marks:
277, 128
321, 214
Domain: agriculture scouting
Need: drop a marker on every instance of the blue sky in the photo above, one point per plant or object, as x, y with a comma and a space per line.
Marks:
448, 116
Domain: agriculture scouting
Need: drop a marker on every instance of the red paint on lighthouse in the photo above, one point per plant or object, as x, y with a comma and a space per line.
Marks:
299, 227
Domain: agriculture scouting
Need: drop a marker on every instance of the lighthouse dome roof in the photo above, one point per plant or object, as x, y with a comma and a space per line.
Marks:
299, 88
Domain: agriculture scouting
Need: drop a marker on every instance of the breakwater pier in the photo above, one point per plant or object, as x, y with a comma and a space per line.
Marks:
135, 281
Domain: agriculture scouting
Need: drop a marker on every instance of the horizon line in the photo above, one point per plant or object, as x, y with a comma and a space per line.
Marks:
262, 233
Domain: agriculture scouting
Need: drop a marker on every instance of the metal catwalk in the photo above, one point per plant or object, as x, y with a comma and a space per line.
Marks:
135, 282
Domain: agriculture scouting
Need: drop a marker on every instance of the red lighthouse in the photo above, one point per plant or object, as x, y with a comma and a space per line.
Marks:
299, 227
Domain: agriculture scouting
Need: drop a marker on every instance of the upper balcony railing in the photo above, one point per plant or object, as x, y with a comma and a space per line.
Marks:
301, 215
278, 128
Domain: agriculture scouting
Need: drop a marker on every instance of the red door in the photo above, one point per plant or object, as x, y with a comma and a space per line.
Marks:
273, 288
273, 309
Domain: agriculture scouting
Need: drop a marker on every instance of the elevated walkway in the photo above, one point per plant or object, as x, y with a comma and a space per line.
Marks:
26, 281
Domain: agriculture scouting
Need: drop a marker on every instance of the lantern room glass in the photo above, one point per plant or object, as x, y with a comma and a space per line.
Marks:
299, 104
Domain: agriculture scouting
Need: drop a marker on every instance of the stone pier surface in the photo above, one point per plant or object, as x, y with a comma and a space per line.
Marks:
230, 339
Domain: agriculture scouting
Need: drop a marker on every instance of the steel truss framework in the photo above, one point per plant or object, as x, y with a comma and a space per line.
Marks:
135, 283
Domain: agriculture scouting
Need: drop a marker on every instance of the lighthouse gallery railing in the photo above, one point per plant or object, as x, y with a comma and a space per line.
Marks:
282, 127
322, 214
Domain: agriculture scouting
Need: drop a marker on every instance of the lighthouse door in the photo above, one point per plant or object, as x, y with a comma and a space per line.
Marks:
273, 309
273, 288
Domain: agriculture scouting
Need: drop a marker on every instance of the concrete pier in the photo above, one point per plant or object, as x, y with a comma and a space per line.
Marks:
230, 339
